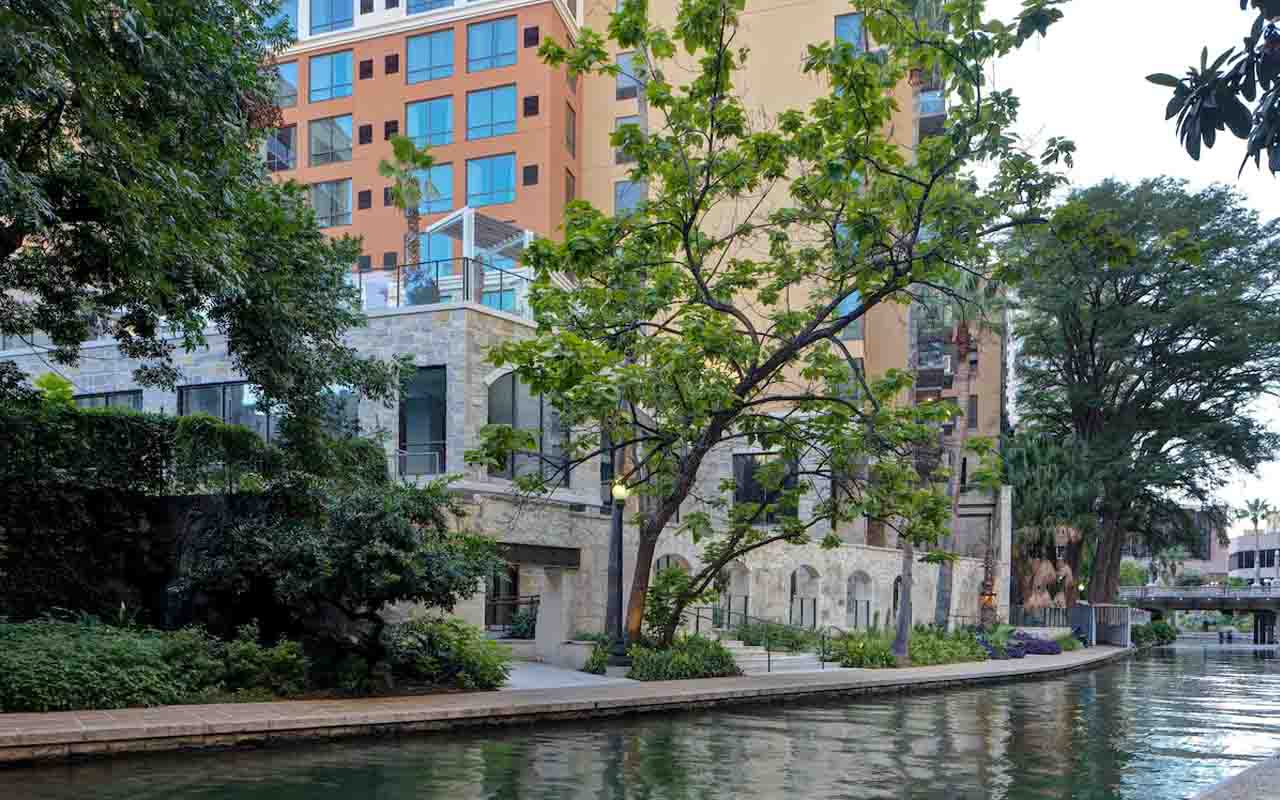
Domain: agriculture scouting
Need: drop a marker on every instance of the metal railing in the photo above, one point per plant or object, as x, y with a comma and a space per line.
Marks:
450, 280
804, 612
1180, 592
427, 458
500, 612
858, 614
774, 635
1039, 617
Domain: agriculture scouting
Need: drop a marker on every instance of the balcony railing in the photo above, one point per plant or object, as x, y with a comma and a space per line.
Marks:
453, 280
412, 460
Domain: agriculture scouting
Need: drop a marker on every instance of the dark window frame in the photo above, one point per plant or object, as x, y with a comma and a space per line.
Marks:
134, 397
332, 155
496, 59
748, 490
544, 462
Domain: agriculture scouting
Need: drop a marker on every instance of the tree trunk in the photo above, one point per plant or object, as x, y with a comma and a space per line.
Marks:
639, 587
902, 640
1104, 585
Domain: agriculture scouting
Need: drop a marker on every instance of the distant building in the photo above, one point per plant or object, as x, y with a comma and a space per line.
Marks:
1208, 553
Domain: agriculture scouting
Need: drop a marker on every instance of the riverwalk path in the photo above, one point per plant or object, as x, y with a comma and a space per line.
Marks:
60, 735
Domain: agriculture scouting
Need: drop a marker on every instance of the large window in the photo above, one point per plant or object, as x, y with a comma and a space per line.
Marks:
430, 122
972, 412
626, 84
854, 330
130, 399
288, 12
491, 112
332, 202
282, 149
849, 29
491, 44
570, 130
287, 84
330, 77
422, 423
330, 140
331, 15
437, 189
491, 180
429, 57
419, 6
511, 403
620, 157
234, 403
1246, 559
748, 487
626, 197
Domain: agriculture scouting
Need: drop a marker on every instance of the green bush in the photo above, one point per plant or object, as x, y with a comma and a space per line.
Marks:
1153, 635
587, 636
598, 661
671, 591
524, 623
777, 636
446, 652
687, 657
1068, 642
50, 665
865, 650
929, 646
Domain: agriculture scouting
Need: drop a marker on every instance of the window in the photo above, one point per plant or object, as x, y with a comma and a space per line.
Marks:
532, 36
130, 399
749, 488
366, 134
234, 403
626, 84
422, 423
626, 197
502, 300
366, 69
849, 29
491, 180
282, 149
390, 128
288, 12
853, 331
491, 44
420, 6
437, 189
1246, 559
1268, 558
331, 15
620, 157
287, 84
570, 130
430, 122
364, 199
391, 63
330, 77
329, 140
511, 403
570, 187
366, 6
332, 202
491, 112
531, 106
529, 175
972, 412
429, 57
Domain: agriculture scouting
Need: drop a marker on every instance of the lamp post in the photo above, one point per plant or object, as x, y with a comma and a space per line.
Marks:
613, 609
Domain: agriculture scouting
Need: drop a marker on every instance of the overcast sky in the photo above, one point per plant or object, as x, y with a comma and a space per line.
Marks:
1086, 81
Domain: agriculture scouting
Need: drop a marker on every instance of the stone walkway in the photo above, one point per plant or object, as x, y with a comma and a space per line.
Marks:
533, 675
1256, 782
54, 736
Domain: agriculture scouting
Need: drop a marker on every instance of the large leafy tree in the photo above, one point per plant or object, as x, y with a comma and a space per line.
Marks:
133, 201
1215, 96
712, 314
1150, 324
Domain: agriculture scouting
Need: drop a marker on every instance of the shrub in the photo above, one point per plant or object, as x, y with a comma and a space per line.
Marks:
524, 623
670, 593
865, 650
1036, 646
586, 636
1068, 643
1164, 632
282, 668
598, 661
930, 646
687, 657
447, 653
776, 636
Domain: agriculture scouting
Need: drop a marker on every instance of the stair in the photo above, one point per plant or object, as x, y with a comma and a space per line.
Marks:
754, 660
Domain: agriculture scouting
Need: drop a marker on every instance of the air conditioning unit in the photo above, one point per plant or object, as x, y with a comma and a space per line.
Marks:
946, 365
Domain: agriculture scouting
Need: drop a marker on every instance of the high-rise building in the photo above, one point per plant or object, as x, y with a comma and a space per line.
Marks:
514, 140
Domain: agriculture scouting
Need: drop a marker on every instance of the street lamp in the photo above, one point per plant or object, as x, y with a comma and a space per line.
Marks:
613, 611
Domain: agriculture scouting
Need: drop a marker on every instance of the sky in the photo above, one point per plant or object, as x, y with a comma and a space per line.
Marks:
1086, 81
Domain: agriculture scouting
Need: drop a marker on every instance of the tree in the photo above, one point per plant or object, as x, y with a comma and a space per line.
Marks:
1168, 561
1150, 321
133, 201
1257, 510
1133, 574
1212, 98
407, 189
345, 554
711, 314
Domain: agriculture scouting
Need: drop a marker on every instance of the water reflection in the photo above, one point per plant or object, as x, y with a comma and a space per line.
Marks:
1158, 727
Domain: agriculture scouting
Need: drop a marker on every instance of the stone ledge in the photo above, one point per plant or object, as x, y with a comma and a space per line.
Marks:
1256, 781
61, 735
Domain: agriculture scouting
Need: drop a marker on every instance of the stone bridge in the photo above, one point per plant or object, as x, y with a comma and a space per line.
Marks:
1261, 601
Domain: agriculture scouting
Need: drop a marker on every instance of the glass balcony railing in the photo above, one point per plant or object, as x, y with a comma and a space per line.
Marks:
453, 280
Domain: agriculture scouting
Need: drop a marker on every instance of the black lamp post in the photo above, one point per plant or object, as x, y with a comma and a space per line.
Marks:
613, 609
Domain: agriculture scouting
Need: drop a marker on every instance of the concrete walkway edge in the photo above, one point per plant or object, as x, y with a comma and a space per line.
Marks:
61, 735
1257, 781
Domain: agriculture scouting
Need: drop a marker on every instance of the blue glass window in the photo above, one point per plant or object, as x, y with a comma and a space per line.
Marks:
491, 112
329, 140
331, 15
429, 57
491, 180
287, 84
626, 83
847, 306
419, 6
437, 189
849, 29
288, 12
626, 197
332, 202
503, 300
491, 44
330, 76
430, 122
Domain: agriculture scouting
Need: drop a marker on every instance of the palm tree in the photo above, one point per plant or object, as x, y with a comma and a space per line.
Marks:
404, 170
1256, 510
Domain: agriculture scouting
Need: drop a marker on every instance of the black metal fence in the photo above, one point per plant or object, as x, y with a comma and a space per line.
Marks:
1039, 617
449, 280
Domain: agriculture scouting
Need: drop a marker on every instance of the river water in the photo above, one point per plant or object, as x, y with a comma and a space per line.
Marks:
1160, 726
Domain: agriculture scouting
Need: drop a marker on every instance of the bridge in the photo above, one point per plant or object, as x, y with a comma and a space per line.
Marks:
1261, 601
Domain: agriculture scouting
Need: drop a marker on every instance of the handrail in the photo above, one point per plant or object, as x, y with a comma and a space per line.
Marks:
711, 613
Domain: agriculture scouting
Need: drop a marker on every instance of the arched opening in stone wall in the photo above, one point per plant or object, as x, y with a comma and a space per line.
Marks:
734, 585
805, 585
859, 601
670, 561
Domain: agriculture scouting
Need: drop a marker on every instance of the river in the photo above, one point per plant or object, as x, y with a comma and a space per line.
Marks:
1160, 726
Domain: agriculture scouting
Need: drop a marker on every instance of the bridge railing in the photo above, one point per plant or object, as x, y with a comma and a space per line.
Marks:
1181, 592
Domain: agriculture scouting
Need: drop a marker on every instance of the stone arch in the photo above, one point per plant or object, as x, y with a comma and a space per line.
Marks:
734, 585
860, 600
806, 587
669, 561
